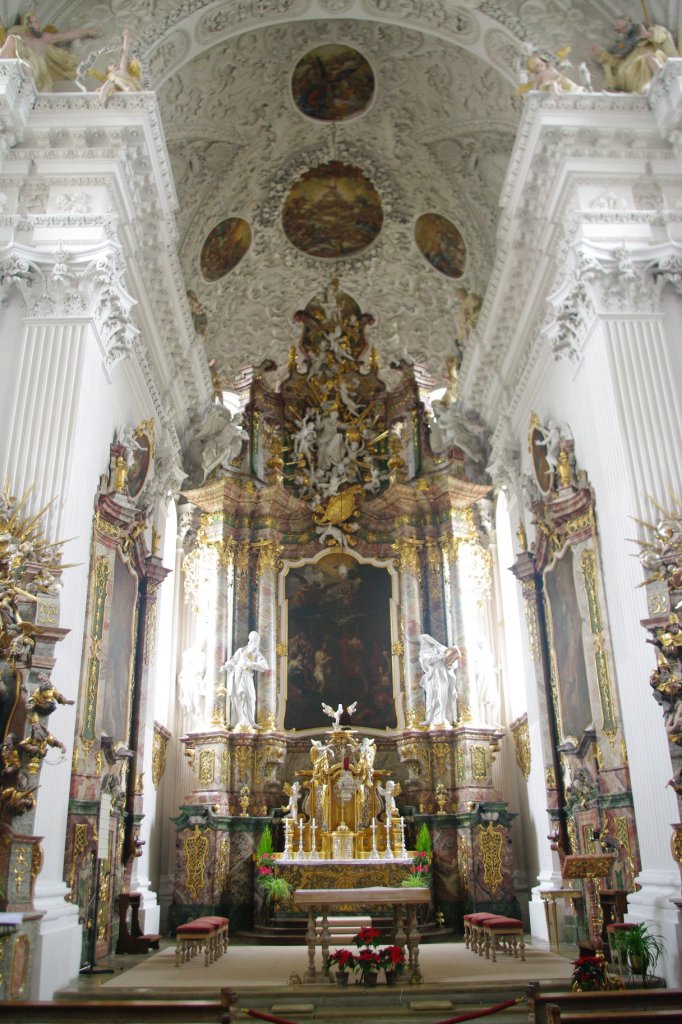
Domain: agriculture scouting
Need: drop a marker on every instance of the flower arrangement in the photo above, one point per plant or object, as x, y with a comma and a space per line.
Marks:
589, 973
342, 959
420, 868
368, 961
369, 937
392, 959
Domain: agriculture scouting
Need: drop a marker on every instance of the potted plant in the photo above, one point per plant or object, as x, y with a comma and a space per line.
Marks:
640, 949
344, 961
420, 868
368, 961
393, 962
589, 974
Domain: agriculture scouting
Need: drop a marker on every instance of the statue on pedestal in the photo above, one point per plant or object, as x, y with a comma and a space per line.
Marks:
191, 682
240, 686
439, 681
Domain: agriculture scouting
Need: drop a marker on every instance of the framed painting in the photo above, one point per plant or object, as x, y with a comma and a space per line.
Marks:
339, 617
566, 626
118, 667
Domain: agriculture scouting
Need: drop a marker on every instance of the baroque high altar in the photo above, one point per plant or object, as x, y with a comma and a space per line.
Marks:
336, 523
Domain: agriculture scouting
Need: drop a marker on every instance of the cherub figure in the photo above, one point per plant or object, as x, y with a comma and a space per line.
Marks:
122, 77
389, 792
46, 698
293, 791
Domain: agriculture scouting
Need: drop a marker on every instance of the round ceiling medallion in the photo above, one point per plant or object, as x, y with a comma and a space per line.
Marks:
331, 211
332, 83
441, 244
224, 247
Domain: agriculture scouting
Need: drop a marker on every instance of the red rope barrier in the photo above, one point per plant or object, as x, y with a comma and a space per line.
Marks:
481, 1013
451, 1020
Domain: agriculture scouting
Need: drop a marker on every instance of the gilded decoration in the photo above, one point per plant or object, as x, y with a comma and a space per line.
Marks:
460, 765
408, 560
521, 735
479, 764
463, 863
196, 858
676, 844
243, 756
588, 566
105, 528
80, 842
150, 634
222, 866
530, 609
206, 767
225, 768
440, 753
550, 778
572, 837
159, 749
491, 841
102, 572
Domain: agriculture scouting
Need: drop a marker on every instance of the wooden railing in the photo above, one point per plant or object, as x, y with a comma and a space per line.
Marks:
624, 1005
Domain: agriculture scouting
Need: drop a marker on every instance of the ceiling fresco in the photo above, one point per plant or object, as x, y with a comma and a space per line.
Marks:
420, 100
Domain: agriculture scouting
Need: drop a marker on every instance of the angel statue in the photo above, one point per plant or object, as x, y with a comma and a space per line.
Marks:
337, 715
126, 76
389, 792
637, 55
293, 791
240, 686
41, 51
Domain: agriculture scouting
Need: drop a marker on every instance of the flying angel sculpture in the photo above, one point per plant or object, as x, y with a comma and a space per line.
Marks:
336, 715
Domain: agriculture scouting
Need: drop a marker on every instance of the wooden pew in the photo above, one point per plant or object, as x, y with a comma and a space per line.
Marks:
114, 1011
623, 1003
555, 1015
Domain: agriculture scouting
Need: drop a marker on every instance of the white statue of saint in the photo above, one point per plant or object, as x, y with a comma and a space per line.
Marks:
486, 683
221, 438
550, 440
240, 686
126, 436
192, 683
439, 681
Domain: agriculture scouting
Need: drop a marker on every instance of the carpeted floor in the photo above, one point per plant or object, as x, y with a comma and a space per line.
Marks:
259, 967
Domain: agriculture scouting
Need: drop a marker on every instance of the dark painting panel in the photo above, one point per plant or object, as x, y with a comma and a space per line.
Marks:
440, 242
118, 667
223, 249
332, 83
332, 211
339, 636
566, 636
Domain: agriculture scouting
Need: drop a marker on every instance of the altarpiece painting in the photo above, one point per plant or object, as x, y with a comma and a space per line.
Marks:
339, 625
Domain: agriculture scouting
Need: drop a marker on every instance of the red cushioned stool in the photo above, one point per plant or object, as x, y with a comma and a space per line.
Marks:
473, 923
504, 933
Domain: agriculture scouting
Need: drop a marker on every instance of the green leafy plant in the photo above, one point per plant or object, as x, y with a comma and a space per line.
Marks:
424, 840
415, 881
641, 949
275, 890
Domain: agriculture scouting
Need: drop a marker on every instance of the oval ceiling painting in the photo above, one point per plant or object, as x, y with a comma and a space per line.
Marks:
332, 83
224, 248
441, 244
332, 211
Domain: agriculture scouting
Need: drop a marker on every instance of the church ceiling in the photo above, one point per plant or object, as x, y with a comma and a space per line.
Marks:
384, 171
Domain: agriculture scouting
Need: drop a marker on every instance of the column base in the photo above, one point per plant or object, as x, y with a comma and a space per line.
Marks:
58, 952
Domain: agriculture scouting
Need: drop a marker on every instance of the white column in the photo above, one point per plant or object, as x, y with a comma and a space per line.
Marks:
56, 361
636, 417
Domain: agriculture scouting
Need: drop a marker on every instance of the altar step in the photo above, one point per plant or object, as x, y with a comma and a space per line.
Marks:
290, 931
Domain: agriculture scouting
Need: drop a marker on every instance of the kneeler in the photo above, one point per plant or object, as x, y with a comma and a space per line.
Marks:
132, 941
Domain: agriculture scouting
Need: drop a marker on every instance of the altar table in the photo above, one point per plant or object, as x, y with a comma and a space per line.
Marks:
404, 903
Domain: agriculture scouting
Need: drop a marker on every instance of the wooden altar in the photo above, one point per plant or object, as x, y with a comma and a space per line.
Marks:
403, 902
